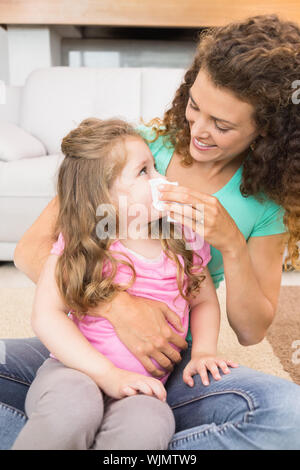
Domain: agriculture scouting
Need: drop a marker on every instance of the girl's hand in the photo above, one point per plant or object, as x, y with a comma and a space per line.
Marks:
203, 213
201, 363
142, 325
120, 383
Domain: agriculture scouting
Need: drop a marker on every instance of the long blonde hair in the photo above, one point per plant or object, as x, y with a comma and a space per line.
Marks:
95, 155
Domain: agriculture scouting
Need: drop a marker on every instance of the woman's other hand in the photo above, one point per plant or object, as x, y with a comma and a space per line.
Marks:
142, 325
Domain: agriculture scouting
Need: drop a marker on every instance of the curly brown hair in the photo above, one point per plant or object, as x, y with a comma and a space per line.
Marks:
95, 155
258, 60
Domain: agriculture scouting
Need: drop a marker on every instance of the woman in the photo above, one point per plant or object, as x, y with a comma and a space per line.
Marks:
232, 141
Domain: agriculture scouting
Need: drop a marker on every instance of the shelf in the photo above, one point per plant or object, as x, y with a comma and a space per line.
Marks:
142, 13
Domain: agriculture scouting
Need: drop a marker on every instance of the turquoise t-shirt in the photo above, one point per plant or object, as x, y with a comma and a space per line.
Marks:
253, 218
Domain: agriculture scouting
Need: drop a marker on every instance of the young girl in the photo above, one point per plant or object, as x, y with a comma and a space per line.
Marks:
107, 169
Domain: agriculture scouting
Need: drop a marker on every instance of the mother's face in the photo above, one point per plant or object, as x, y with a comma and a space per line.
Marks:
219, 120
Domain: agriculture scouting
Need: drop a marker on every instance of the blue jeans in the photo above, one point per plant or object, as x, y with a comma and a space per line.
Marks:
246, 409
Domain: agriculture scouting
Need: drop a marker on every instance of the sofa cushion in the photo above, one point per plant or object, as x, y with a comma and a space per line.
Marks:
26, 187
16, 143
57, 99
29, 177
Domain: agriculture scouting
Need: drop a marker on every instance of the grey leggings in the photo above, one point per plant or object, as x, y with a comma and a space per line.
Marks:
67, 410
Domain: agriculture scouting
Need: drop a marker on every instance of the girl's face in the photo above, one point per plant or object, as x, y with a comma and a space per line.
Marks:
133, 185
221, 125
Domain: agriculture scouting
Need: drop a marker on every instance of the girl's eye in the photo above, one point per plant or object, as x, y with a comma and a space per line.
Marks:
143, 169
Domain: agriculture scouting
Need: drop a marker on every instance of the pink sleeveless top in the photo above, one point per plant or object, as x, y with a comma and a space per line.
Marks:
155, 279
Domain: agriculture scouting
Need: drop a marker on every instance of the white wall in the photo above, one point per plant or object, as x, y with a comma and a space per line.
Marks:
55, 47
22, 50
127, 53
4, 64
29, 48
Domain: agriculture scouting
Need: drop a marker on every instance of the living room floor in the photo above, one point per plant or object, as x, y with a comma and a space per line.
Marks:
10, 276
273, 355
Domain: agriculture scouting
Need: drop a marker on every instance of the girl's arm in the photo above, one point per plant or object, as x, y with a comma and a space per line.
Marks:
62, 337
205, 318
34, 247
59, 333
205, 327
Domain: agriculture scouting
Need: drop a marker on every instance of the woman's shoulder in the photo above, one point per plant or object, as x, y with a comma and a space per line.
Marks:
271, 218
155, 141
159, 145
147, 132
255, 215
231, 193
258, 213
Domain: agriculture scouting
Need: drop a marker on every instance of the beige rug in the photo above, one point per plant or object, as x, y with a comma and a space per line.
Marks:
260, 356
284, 333
15, 310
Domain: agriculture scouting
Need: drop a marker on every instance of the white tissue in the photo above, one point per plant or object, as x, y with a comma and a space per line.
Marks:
157, 203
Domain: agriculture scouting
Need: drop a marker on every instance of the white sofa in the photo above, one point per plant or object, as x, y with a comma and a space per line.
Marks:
37, 116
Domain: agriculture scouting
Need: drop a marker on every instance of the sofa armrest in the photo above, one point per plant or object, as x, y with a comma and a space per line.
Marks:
16, 143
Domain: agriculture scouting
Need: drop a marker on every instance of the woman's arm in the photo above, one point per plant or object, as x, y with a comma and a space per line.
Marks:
252, 270
34, 247
141, 324
253, 277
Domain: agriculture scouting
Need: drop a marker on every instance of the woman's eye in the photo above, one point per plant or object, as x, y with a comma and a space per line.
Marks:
221, 129
193, 107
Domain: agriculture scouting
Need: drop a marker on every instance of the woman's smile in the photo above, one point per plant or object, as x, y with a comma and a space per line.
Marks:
201, 145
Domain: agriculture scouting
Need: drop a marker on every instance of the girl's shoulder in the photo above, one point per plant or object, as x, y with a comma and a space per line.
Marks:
196, 242
58, 246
